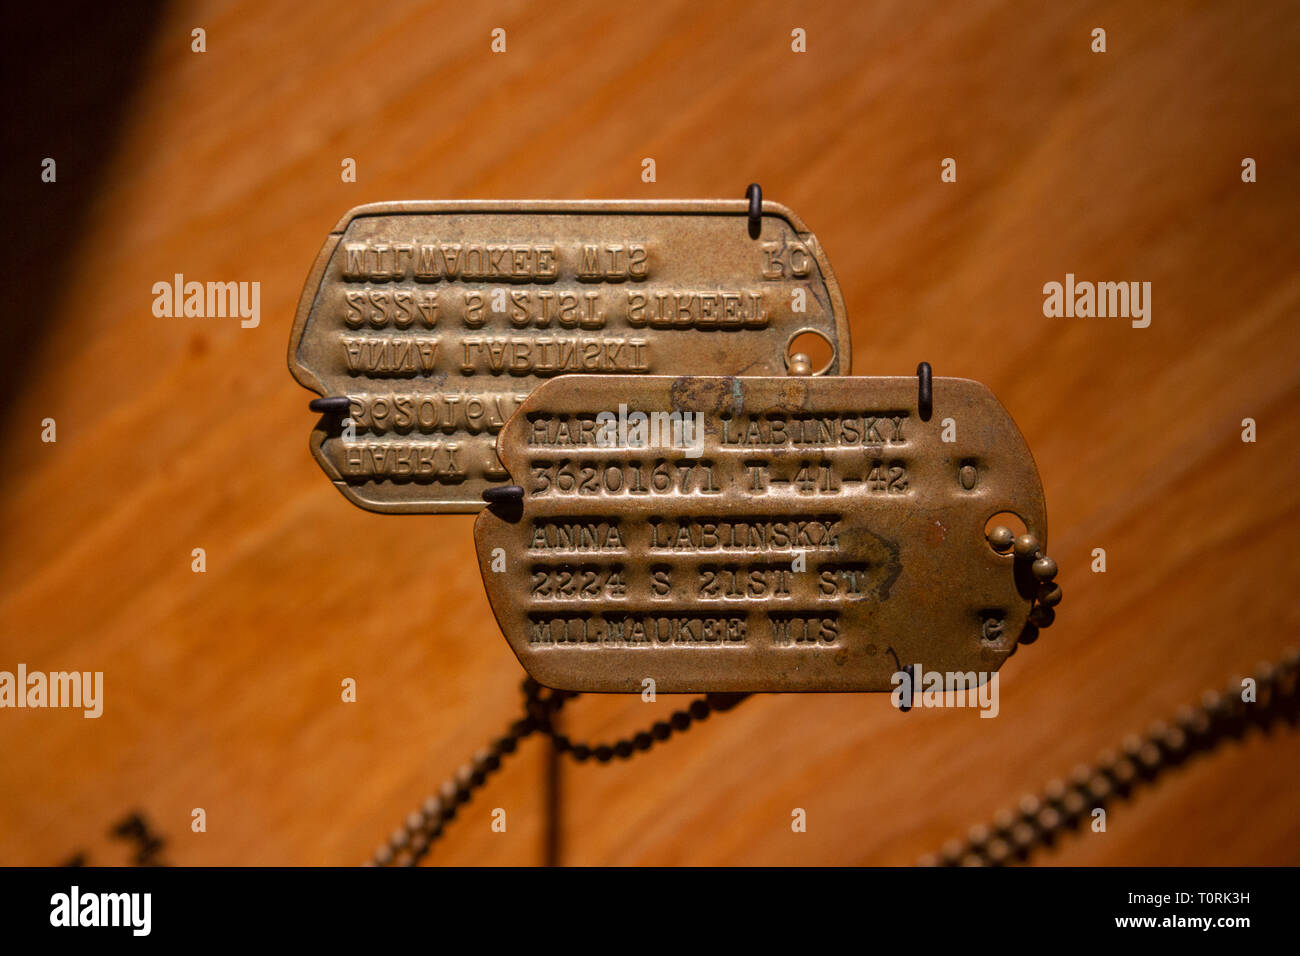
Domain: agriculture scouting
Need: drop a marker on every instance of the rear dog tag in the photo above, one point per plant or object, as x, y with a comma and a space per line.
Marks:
426, 324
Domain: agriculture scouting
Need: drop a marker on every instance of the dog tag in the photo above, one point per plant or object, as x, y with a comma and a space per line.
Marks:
430, 322
757, 534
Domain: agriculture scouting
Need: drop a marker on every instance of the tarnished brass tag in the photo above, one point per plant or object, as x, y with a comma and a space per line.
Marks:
817, 535
436, 319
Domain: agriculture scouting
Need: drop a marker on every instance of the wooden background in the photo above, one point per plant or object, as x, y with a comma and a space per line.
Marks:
222, 689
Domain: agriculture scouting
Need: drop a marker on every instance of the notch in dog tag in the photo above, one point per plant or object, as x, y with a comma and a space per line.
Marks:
430, 322
757, 534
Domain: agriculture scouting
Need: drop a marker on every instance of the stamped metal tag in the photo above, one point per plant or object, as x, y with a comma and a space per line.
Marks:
720, 534
434, 320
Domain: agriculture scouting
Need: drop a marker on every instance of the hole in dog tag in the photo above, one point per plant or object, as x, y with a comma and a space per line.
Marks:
757, 534
430, 322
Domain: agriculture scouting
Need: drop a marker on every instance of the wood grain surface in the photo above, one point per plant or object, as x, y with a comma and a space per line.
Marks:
222, 689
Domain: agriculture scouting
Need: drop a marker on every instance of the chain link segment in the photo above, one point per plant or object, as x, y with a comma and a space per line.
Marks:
1038, 819
411, 842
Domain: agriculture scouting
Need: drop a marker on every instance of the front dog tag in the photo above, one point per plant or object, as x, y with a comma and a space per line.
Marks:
757, 534
428, 323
